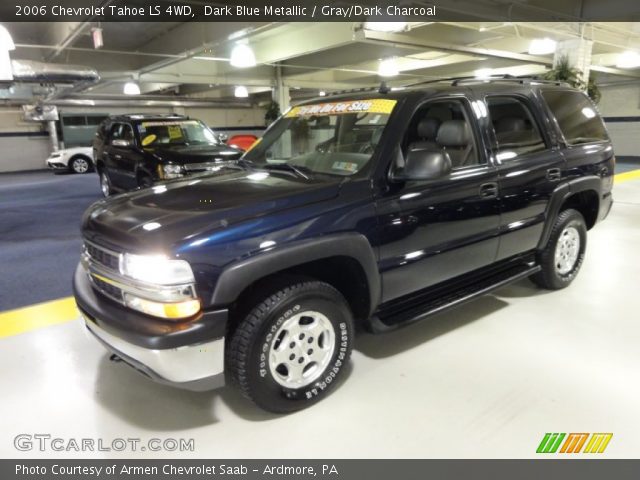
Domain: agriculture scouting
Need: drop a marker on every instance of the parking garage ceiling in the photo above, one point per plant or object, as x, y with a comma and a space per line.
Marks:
191, 60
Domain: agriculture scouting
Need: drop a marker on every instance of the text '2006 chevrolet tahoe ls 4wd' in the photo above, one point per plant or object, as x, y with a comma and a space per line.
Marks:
378, 209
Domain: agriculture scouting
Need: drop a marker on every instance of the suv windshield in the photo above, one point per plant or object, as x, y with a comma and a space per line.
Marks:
336, 138
175, 132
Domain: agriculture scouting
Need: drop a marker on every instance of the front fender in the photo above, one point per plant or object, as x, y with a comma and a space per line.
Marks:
236, 278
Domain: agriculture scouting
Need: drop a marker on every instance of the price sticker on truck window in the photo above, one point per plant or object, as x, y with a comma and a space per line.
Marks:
375, 105
345, 166
175, 132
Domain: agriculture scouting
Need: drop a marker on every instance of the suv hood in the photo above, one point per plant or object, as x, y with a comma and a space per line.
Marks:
184, 154
166, 215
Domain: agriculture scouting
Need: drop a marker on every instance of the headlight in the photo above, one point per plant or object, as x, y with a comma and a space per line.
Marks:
156, 269
172, 171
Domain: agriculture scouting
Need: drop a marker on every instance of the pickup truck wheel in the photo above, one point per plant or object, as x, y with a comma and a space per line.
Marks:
562, 257
292, 347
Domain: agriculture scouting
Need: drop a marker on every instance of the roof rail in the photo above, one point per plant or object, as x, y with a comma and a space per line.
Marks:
454, 81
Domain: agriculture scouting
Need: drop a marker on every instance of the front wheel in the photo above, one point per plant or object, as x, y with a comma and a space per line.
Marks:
292, 347
80, 165
563, 255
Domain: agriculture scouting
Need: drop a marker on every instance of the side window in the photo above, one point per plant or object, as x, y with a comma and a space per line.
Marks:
127, 133
516, 131
443, 125
576, 116
116, 132
121, 131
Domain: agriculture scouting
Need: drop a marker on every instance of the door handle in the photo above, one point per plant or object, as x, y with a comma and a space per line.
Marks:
554, 174
489, 190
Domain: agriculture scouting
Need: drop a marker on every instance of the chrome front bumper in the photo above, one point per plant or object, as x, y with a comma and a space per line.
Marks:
192, 367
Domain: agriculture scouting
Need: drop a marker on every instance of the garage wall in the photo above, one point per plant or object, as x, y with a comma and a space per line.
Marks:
620, 107
25, 145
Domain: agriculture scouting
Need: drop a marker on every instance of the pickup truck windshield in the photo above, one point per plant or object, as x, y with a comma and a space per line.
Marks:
335, 138
175, 132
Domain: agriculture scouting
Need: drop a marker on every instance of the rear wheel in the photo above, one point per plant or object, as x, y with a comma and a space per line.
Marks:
563, 255
80, 165
290, 350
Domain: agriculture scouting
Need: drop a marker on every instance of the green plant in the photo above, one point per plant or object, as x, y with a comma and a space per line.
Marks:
272, 113
564, 72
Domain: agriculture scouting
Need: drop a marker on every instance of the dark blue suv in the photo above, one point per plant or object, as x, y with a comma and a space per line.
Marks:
374, 209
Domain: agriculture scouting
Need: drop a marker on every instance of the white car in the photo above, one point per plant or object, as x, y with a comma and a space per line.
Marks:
76, 159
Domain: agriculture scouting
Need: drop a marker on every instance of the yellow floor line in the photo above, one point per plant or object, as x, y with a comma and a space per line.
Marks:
626, 176
21, 320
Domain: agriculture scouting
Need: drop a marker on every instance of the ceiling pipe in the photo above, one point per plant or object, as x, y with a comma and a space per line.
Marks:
147, 101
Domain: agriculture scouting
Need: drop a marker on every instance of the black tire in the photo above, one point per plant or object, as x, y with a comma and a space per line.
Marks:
248, 364
105, 183
551, 276
80, 164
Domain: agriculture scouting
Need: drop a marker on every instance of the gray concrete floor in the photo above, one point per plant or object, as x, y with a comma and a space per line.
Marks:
484, 381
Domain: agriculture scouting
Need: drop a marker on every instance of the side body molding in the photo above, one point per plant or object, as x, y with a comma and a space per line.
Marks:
238, 276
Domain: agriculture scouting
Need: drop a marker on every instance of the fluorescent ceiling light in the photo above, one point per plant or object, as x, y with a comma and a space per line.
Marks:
242, 56
388, 68
542, 46
628, 59
6, 69
483, 73
386, 26
131, 88
241, 92
6, 40
211, 59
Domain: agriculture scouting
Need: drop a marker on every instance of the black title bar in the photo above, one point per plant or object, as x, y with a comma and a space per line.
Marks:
316, 10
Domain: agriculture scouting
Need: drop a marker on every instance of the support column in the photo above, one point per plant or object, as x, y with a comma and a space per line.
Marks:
53, 135
281, 91
578, 51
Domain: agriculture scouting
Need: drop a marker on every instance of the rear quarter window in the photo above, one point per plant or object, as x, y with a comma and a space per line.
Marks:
577, 117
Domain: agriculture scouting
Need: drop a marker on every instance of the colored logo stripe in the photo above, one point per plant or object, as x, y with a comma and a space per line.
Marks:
574, 442
598, 442
550, 443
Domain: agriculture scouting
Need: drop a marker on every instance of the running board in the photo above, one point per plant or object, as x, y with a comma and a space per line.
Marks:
393, 318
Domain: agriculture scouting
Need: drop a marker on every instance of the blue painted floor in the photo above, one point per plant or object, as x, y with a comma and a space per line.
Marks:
40, 235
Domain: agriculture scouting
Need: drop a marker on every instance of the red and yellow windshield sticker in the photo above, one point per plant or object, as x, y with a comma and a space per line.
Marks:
377, 105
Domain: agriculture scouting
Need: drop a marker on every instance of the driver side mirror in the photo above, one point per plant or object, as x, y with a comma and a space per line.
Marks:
122, 143
222, 137
423, 164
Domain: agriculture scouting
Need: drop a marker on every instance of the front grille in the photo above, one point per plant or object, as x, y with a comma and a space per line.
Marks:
102, 257
108, 289
204, 166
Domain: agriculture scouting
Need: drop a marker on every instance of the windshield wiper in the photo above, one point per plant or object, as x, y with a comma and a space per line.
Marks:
297, 169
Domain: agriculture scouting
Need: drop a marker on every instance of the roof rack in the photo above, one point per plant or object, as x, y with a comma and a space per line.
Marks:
454, 81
